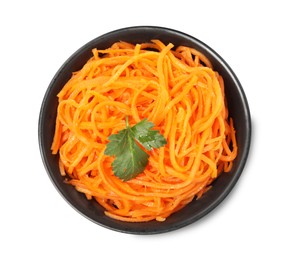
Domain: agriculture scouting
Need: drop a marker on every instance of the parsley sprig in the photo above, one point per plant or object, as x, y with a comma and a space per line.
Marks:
131, 159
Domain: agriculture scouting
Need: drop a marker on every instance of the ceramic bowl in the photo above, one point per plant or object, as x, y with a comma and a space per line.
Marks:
238, 109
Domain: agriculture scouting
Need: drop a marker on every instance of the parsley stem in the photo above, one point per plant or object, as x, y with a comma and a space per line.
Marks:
127, 122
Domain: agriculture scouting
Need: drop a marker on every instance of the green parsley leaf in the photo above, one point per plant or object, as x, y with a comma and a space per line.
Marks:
130, 158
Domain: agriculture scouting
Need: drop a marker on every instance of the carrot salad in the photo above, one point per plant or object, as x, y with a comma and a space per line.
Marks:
176, 89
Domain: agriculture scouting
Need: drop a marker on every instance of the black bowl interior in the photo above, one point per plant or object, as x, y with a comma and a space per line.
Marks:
238, 109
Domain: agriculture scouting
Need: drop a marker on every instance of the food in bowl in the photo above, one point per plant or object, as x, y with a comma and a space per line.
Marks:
144, 129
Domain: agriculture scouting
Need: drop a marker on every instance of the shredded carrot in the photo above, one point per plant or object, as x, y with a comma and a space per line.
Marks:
178, 90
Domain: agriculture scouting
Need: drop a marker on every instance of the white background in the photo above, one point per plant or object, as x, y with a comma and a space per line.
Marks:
37, 37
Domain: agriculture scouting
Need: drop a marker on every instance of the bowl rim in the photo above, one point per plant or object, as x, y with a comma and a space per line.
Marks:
123, 226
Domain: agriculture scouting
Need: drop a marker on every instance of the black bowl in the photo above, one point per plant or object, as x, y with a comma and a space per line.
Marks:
238, 109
